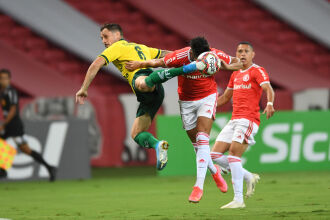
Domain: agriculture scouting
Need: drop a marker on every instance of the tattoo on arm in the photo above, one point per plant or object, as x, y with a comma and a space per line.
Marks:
163, 53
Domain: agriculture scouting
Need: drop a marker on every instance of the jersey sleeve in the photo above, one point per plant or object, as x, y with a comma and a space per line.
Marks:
260, 75
177, 58
12, 97
110, 54
222, 55
154, 53
231, 81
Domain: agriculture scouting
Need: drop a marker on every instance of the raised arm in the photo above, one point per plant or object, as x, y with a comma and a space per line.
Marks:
157, 62
90, 75
163, 53
225, 97
269, 110
133, 65
234, 65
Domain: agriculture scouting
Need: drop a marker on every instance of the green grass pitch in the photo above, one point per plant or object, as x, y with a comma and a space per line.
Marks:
137, 193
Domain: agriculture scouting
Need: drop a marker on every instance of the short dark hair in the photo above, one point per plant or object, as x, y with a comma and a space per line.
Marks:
6, 71
199, 45
112, 27
245, 43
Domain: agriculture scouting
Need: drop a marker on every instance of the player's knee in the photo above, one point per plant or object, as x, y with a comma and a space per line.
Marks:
143, 87
133, 134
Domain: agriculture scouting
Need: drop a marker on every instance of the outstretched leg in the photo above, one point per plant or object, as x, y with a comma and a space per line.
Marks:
38, 158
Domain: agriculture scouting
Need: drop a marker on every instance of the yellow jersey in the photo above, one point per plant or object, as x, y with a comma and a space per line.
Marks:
122, 51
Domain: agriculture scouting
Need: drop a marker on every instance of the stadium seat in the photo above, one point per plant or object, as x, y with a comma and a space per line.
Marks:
137, 26
274, 34
37, 47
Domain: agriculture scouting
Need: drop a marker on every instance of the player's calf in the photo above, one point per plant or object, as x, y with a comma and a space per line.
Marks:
161, 76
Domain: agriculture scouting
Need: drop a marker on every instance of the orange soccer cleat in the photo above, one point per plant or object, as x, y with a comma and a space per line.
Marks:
196, 195
221, 183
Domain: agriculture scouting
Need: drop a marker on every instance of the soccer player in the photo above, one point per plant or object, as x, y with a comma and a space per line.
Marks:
245, 87
119, 51
198, 95
12, 127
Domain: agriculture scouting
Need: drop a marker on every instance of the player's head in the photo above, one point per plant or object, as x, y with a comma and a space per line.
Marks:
245, 53
198, 45
111, 33
5, 77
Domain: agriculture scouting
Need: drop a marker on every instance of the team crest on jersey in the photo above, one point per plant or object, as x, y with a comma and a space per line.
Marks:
246, 78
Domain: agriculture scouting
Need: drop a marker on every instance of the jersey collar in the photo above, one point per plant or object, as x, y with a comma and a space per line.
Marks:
242, 71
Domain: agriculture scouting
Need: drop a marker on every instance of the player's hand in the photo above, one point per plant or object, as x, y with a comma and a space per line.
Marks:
132, 65
269, 110
80, 96
224, 65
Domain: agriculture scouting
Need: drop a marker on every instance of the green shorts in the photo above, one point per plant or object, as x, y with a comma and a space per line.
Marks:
150, 102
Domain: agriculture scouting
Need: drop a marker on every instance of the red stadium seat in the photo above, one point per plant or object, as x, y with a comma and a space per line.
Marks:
32, 43
264, 28
137, 26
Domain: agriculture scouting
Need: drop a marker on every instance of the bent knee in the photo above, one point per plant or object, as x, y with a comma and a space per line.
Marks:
141, 85
133, 135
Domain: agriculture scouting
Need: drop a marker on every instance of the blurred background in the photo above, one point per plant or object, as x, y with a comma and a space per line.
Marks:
49, 44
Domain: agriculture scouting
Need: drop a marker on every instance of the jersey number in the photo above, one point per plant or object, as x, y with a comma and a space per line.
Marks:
140, 53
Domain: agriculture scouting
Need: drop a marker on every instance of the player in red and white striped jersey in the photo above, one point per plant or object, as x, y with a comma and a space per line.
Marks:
245, 87
198, 95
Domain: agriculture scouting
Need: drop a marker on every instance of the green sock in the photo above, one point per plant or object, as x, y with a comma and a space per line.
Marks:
145, 139
160, 76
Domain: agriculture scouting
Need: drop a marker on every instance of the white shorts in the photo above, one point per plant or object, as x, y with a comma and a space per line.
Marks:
191, 110
239, 130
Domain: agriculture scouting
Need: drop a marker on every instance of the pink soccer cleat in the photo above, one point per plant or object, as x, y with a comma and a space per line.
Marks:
196, 195
221, 183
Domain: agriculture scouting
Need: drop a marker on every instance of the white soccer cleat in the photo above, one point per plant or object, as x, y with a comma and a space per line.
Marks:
234, 205
161, 153
251, 185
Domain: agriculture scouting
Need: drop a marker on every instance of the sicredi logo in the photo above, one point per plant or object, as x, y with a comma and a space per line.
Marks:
242, 86
300, 146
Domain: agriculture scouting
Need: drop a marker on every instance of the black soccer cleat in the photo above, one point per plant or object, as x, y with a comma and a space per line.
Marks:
52, 173
3, 173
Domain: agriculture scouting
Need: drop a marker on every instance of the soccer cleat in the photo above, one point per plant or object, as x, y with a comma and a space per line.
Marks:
196, 195
251, 185
218, 179
161, 153
234, 205
52, 173
3, 173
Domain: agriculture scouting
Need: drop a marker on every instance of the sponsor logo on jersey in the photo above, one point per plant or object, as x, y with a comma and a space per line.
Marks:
196, 76
242, 86
246, 78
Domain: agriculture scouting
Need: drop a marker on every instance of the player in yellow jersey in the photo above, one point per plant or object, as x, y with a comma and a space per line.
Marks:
150, 96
